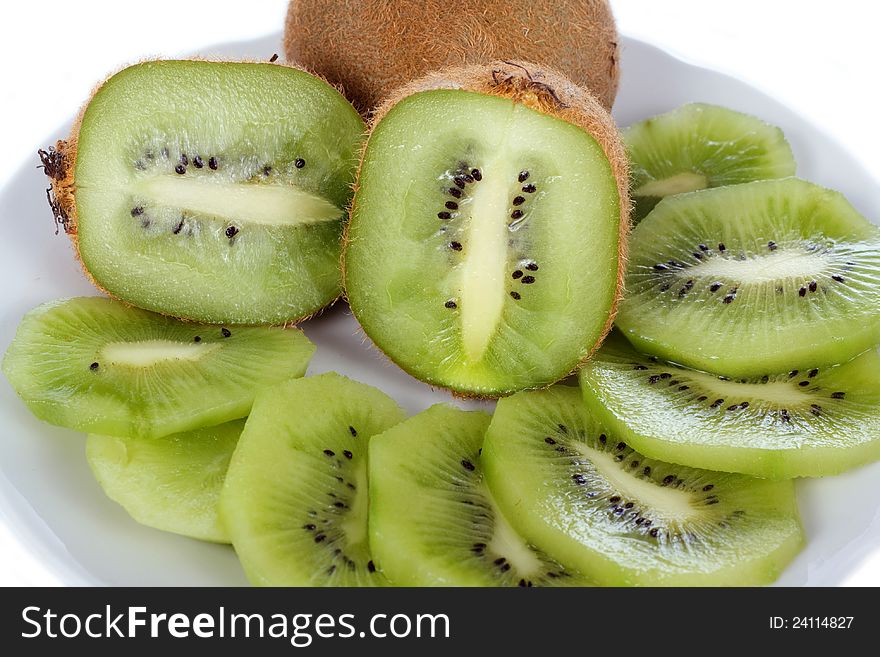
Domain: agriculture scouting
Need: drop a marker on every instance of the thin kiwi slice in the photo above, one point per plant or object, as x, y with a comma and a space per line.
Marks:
171, 483
483, 249
585, 497
752, 279
433, 521
213, 191
812, 422
295, 500
698, 146
96, 365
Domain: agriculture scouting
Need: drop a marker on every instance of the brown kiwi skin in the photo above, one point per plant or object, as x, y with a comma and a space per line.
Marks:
545, 91
372, 47
59, 164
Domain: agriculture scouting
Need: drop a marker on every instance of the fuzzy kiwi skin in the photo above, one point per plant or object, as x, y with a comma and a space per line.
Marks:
542, 90
373, 46
59, 164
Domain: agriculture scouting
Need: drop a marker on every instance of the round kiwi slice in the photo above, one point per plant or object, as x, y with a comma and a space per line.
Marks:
213, 191
752, 279
812, 422
96, 365
374, 46
698, 146
586, 498
295, 501
484, 247
171, 483
433, 522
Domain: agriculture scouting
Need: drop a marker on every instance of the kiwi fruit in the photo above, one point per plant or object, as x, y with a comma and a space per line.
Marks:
211, 191
487, 234
585, 497
433, 522
698, 146
295, 501
751, 279
170, 483
96, 365
372, 47
812, 422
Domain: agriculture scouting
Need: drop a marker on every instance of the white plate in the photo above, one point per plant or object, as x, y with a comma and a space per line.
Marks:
56, 509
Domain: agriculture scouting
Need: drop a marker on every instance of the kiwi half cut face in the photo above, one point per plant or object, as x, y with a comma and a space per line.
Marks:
584, 496
96, 365
482, 252
811, 422
295, 501
213, 191
752, 279
698, 146
433, 521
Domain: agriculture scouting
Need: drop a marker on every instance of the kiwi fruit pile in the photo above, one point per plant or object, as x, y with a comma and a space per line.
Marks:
674, 326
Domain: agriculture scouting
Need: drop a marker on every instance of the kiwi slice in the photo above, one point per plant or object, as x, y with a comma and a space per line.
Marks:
433, 522
295, 500
171, 483
698, 146
96, 365
213, 191
589, 500
372, 47
813, 422
752, 279
482, 254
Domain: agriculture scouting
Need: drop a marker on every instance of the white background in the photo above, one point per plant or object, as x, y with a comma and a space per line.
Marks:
820, 59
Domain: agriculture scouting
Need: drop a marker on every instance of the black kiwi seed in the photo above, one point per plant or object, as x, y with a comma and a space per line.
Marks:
838, 395
716, 403
198, 338
708, 487
455, 246
815, 409
654, 378
730, 296
639, 367
532, 266
523, 176
231, 232
517, 274
515, 295
647, 471
792, 374
136, 212
549, 440
683, 388
665, 375
804, 384
444, 215
352, 431
267, 170
837, 278
702, 247
477, 174
603, 438
813, 285
722, 248
329, 452
198, 163
371, 566
614, 499
714, 287
519, 200
178, 227
94, 366
467, 465
771, 245
212, 163
668, 479
802, 292
459, 182
654, 532
744, 405
319, 538
702, 398
452, 205
620, 446
347, 454
665, 287
451, 304
529, 189
812, 373
516, 214
455, 192
528, 280
765, 379
562, 428
180, 169
310, 527
299, 163
184, 160
579, 479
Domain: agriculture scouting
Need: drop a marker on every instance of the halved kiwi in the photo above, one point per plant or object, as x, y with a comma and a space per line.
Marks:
295, 498
171, 483
433, 522
752, 279
213, 191
813, 422
586, 498
484, 247
96, 365
698, 146
371, 47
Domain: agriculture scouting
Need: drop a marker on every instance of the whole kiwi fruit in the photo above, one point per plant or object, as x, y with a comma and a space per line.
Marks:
371, 47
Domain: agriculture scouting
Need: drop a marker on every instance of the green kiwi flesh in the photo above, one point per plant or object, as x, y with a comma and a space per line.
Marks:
482, 250
589, 500
698, 146
814, 422
752, 279
170, 483
216, 191
295, 501
97, 365
433, 522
